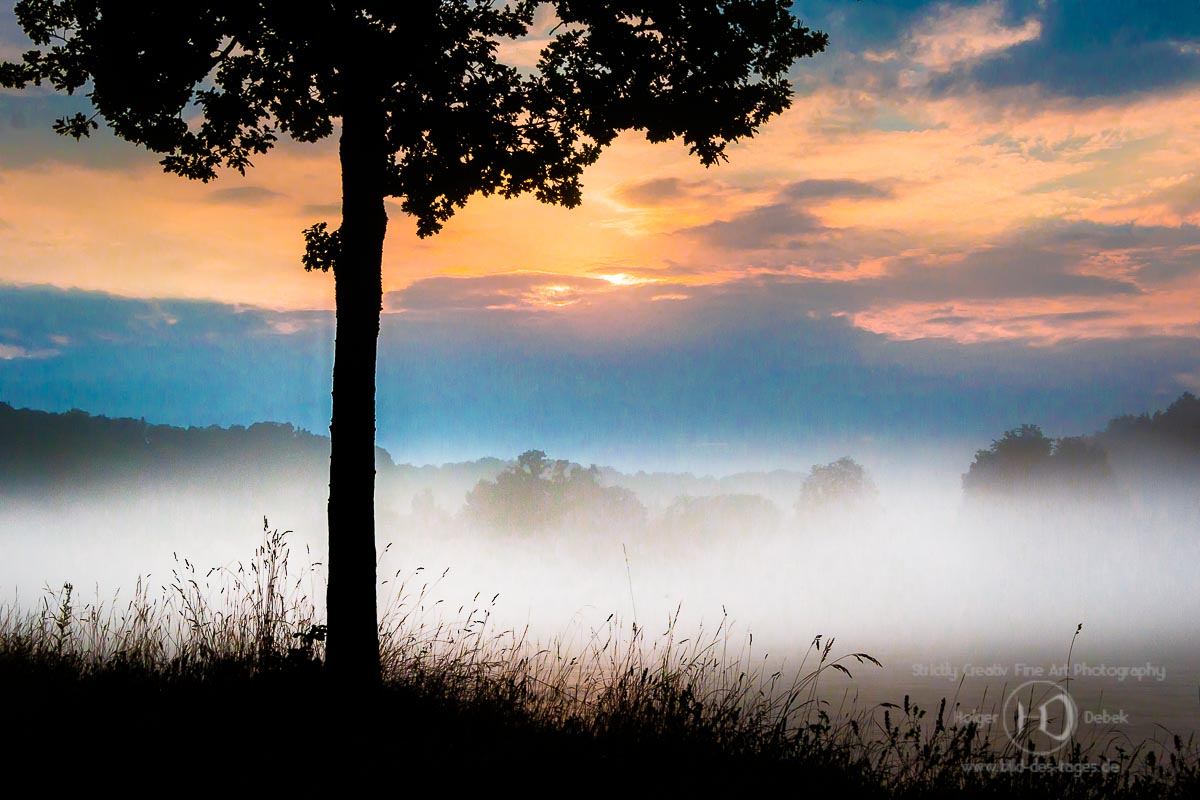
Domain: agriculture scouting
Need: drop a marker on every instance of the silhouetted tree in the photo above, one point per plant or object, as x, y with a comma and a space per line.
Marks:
1176, 429
1182, 419
1156, 456
1079, 462
1025, 460
841, 484
428, 114
1012, 462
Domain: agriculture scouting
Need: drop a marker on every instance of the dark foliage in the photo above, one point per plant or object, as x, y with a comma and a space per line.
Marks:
1165, 443
1024, 460
1176, 428
1145, 450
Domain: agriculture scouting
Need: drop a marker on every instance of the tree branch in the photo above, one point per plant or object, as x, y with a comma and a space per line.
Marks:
224, 54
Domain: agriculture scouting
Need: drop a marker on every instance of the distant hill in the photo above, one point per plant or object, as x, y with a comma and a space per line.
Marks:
41, 450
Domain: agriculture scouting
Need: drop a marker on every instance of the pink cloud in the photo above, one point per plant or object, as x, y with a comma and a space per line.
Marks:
954, 34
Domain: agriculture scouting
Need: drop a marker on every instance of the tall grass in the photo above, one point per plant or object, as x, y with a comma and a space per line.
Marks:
249, 618
232, 657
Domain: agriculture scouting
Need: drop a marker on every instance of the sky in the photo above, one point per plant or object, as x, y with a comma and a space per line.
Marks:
974, 215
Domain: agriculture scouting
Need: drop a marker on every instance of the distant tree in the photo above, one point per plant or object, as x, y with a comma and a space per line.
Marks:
1025, 460
76, 449
1177, 428
1182, 419
536, 494
1158, 454
1079, 462
841, 484
1012, 462
428, 114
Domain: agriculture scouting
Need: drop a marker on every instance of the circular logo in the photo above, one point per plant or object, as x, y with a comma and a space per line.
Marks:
1040, 717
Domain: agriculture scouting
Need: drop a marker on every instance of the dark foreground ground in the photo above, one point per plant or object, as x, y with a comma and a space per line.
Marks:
286, 730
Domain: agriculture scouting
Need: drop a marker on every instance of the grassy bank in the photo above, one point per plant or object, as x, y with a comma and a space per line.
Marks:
222, 671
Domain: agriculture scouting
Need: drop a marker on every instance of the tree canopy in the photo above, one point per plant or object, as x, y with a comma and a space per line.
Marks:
1132, 451
1175, 429
213, 85
1024, 460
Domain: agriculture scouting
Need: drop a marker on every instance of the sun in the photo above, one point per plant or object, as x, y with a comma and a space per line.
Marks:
625, 279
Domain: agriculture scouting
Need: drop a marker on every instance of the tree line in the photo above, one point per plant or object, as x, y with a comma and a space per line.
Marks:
42, 451
1144, 448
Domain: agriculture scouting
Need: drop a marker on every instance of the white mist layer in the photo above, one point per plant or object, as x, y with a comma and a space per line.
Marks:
929, 586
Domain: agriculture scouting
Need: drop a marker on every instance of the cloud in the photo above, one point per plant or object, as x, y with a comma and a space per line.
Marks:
13, 40
178, 361
750, 363
531, 291
10, 352
1181, 199
755, 361
1189, 380
41, 318
1013, 283
868, 198
771, 226
244, 196
834, 189
1044, 261
653, 192
949, 319
1088, 50
786, 223
1040, 148
1067, 316
322, 210
26, 130
1013, 270
953, 35
522, 53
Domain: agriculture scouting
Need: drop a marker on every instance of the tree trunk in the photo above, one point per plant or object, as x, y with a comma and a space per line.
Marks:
352, 647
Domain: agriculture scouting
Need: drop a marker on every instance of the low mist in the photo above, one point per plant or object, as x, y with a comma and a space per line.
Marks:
956, 593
